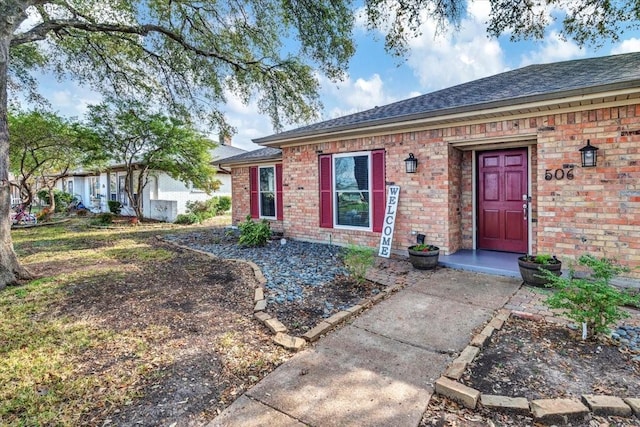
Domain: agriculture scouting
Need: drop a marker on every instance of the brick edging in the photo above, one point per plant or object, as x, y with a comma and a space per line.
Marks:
278, 328
559, 410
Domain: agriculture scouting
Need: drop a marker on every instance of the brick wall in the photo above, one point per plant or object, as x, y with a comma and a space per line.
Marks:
597, 212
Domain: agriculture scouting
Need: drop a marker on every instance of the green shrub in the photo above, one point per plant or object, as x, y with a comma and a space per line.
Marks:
104, 218
115, 207
591, 300
357, 259
61, 198
207, 209
224, 204
254, 233
187, 219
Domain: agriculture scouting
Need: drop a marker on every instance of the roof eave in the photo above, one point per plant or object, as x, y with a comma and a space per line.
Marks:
448, 114
246, 162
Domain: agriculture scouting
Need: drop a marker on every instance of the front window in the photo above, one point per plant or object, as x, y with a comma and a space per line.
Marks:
94, 186
267, 188
352, 190
113, 187
122, 194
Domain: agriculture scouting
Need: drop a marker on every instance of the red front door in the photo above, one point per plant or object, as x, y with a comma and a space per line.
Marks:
502, 182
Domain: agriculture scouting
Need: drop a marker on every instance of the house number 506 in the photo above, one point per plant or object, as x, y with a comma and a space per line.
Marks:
558, 174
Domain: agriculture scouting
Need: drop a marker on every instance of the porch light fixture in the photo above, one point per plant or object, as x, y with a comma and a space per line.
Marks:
589, 155
411, 163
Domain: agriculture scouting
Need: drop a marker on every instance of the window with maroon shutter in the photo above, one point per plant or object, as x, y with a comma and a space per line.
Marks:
254, 204
265, 187
279, 203
378, 188
326, 191
352, 190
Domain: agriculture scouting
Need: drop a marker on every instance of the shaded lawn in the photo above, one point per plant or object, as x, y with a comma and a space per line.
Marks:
118, 326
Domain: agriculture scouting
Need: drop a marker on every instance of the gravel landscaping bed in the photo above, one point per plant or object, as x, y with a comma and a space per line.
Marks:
305, 281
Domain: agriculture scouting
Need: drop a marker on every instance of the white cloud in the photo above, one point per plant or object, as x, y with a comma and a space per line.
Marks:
553, 49
248, 122
351, 96
627, 46
452, 57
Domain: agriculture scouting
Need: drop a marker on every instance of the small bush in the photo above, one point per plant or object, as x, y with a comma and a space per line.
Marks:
357, 259
105, 218
44, 215
187, 219
591, 300
115, 207
207, 209
61, 198
224, 204
254, 233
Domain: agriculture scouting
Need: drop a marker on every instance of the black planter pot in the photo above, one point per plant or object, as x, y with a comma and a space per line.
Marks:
424, 260
530, 271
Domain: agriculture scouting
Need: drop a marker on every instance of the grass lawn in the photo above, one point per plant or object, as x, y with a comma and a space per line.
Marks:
113, 315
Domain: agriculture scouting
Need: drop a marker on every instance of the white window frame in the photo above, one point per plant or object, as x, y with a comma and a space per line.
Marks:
94, 186
334, 191
275, 192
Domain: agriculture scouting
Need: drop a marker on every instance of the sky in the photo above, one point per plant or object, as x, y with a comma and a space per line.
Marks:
376, 78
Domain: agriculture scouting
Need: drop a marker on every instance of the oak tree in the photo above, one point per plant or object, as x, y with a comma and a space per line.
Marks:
189, 55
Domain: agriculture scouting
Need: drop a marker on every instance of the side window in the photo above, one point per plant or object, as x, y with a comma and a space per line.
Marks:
265, 188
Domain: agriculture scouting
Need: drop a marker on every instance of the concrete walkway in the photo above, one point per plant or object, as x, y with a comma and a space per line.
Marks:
378, 370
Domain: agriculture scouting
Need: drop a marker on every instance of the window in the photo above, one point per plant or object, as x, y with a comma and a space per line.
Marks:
352, 190
267, 191
122, 195
265, 183
94, 186
351, 197
113, 187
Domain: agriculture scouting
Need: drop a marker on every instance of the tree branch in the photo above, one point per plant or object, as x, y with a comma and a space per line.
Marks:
40, 32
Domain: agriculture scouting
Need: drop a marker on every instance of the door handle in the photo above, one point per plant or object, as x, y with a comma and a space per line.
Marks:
525, 210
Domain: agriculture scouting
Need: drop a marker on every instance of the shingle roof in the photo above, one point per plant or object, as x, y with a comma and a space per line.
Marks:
527, 84
221, 152
261, 154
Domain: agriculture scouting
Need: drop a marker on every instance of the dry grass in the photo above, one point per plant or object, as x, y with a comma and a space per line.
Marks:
103, 324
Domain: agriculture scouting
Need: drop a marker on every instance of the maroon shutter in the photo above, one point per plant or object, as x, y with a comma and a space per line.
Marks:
378, 188
279, 204
326, 193
253, 192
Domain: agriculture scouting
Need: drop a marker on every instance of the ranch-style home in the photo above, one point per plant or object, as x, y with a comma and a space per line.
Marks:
541, 159
163, 198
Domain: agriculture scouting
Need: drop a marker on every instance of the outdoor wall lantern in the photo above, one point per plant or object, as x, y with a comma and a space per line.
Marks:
589, 155
411, 163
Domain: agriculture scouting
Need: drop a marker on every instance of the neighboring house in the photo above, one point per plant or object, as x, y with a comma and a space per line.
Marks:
499, 166
164, 198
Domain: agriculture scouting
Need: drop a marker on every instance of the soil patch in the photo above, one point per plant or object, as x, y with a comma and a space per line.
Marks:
540, 360
321, 302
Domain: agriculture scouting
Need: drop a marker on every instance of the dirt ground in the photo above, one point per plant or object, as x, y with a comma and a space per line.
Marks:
194, 315
539, 360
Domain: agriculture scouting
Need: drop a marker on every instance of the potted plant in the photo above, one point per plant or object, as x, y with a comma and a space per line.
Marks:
424, 256
531, 265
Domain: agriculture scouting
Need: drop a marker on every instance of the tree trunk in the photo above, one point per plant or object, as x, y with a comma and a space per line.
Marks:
141, 180
52, 200
10, 269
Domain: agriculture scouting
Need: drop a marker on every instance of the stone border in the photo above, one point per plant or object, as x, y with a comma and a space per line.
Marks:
274, 325
547, 411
